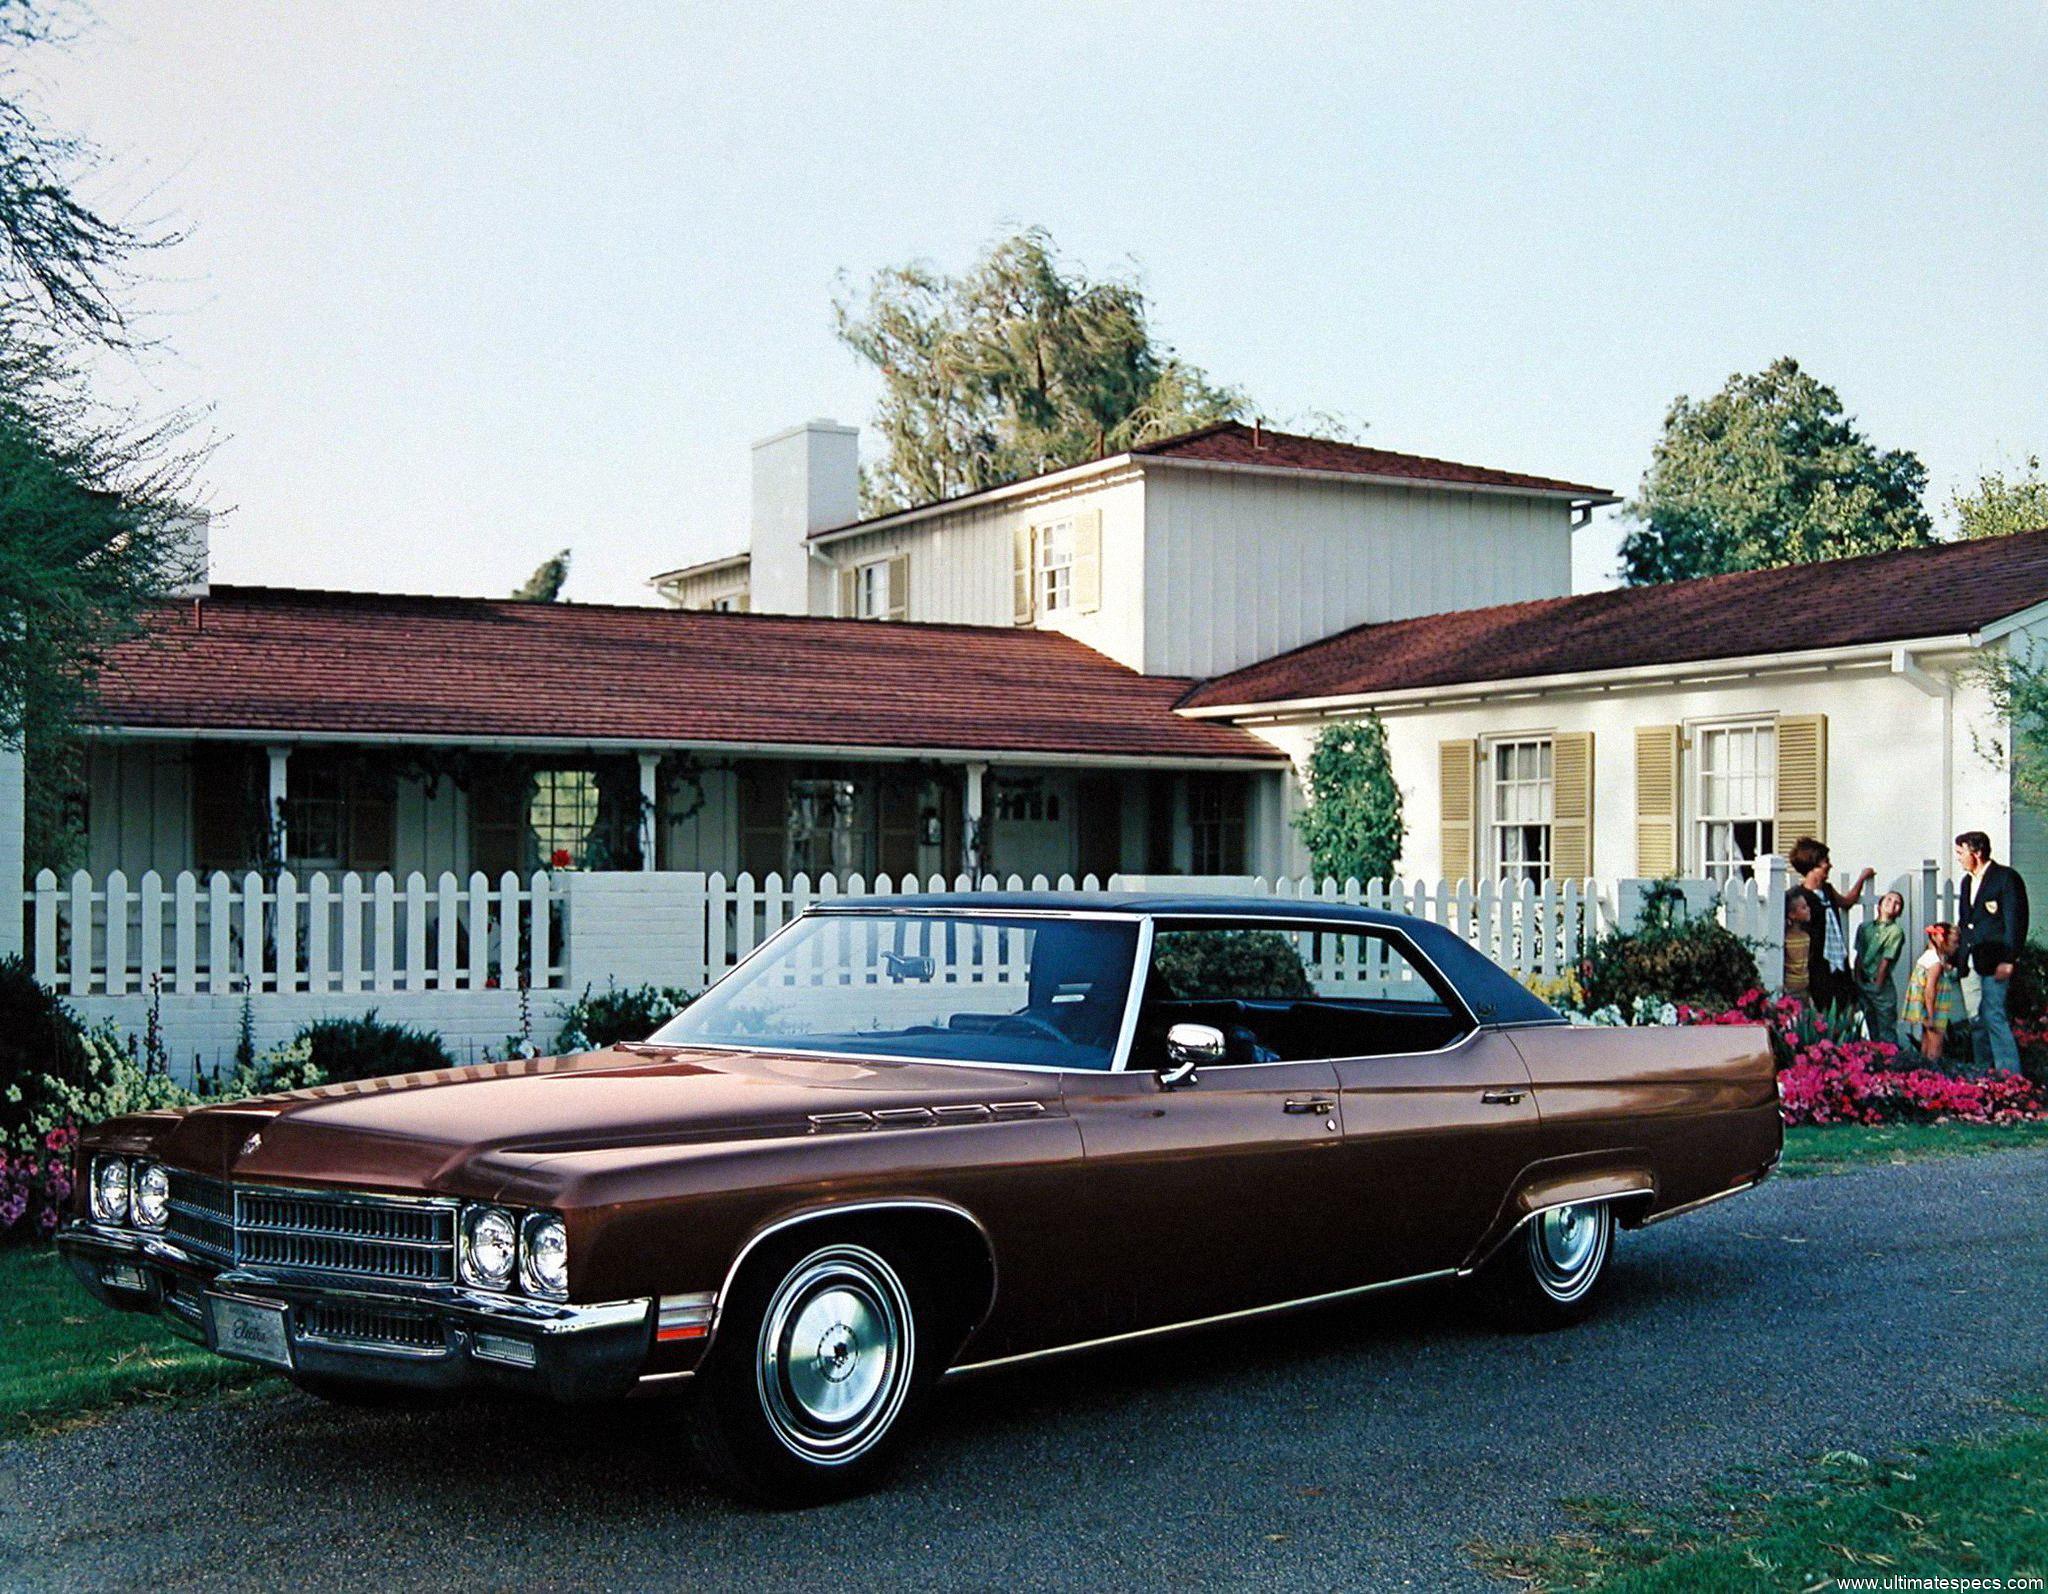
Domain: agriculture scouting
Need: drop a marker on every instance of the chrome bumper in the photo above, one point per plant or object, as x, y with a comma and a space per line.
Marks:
427, 1336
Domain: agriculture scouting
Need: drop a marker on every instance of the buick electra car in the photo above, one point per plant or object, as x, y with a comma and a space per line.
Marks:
914, 1136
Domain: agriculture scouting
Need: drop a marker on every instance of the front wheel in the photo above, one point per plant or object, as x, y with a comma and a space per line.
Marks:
815, 1369
1548, 1272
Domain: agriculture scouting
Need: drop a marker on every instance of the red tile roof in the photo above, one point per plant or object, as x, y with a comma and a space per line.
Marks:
281, 659
1234, 443
1890, 597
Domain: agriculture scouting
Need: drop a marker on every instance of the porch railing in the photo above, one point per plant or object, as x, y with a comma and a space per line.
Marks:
282, 935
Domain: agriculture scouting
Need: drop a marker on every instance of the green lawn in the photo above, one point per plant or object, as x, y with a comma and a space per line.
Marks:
1977, 1509
64, 1356
1811, 1149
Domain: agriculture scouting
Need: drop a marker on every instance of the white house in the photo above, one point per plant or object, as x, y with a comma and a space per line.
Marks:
984, 684
1691, 728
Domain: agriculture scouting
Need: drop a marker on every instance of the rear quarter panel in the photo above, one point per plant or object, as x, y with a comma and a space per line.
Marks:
1695, 1107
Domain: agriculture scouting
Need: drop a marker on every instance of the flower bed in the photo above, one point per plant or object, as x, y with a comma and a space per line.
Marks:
1824, 1078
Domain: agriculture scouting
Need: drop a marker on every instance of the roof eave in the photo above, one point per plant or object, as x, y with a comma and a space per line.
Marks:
1595, 497
1051, 481
1578, 680
300, 736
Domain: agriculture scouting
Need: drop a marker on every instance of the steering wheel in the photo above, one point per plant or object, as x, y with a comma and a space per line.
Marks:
1027, 1024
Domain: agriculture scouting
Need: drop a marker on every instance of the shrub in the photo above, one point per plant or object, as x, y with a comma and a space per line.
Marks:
40, 1042
1352, 826
596, 1019
1211, 965
368, 1048
1668, 957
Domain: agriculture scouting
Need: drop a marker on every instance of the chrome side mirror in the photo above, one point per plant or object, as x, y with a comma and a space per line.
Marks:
1188, 1046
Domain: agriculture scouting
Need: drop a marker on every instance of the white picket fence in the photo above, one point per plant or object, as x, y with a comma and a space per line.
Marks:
282, 936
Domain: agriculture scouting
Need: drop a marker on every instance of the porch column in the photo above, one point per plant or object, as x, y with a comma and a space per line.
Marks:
970, 849
280, 759
650, 813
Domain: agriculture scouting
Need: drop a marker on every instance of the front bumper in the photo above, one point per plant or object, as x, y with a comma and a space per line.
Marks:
425, 1337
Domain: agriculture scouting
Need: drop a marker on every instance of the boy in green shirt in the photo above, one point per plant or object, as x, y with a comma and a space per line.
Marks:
1878, 945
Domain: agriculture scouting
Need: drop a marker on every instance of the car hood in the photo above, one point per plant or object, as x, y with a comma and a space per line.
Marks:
466, 1131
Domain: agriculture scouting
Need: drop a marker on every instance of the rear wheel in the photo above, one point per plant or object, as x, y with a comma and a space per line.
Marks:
1548, 1272
817, 1366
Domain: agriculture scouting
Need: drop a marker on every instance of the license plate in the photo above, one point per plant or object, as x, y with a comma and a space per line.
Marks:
252, 1330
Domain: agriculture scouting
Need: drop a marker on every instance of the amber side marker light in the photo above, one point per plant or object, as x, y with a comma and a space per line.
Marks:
682, 1317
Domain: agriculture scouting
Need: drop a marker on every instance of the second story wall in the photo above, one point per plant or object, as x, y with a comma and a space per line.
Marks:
1240, 565
971, 566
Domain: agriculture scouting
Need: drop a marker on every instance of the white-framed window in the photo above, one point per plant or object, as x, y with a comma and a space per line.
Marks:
1520, 803
1735, 797
1056, 567
724, 604
871, 590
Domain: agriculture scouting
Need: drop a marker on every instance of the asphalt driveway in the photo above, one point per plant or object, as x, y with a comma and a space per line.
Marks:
1356, 1447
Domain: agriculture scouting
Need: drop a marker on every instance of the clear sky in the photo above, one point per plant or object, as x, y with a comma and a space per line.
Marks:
465, 283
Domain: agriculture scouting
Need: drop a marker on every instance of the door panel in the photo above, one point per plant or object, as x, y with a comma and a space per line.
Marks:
1433, 1144
1211, 1197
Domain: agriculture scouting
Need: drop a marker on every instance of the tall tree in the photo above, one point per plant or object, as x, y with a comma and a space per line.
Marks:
95, 512
1998, 506
545, 584
1769, 471
1024, 364
1352, 826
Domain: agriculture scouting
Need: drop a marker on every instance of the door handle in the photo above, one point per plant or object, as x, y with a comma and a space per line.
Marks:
1320, 1104
1502, 1098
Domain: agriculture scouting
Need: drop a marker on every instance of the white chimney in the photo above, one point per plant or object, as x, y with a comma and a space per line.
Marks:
189, 572
805, 479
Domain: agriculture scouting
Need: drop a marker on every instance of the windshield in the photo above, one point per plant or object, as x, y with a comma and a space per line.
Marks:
965, 988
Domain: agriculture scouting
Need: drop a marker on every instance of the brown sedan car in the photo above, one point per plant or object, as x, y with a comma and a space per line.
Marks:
920, 1135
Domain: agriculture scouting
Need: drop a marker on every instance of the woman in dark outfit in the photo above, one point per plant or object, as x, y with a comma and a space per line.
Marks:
1829, 981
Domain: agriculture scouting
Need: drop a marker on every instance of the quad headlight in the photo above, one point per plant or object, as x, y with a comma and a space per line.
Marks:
150, 1195
110, 1189
501, 1248
544, 1255
490, 1247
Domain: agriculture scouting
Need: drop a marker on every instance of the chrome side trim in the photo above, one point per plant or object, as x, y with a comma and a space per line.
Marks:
665, 1378
814, 1214
1201, 1322
1704, 1201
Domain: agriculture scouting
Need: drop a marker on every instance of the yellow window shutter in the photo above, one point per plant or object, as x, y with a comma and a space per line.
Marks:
1571, 814
1802, 779
899, 586
1088, 560
1020, 576
1457, 764
848, 594
1657, 800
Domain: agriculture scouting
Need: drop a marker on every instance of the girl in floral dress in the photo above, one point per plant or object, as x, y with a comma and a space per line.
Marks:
1934, 996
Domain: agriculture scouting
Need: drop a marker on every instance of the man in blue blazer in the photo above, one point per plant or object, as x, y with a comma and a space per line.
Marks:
1992, 925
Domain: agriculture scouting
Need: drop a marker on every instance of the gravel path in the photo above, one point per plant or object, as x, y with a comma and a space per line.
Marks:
1357, 1447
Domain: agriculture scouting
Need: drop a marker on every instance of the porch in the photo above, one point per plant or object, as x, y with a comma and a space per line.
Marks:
310, 805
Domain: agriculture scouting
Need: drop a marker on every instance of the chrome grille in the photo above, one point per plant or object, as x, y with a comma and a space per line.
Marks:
314, 1231
372, 1326
202, 1216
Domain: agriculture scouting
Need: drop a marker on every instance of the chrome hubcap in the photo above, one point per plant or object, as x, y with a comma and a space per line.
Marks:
1567, 1246
835, 1354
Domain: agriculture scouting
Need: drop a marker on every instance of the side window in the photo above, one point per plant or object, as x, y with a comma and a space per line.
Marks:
1289, 994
